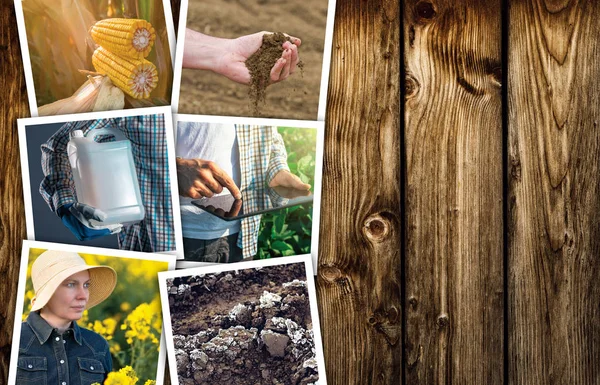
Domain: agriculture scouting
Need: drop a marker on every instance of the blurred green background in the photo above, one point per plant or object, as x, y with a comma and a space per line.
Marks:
288, 231
130, 319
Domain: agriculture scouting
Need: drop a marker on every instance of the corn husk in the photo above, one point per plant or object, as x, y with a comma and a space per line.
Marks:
98, 93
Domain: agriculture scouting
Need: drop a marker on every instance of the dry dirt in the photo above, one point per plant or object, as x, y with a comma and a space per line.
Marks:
203, 92
244, 327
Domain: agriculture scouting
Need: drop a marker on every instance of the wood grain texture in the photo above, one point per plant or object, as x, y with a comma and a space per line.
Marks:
554, 152
13, 105
358, 282
453, 131
453, 189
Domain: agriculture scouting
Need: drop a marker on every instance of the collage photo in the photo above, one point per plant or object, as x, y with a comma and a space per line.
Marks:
172, 174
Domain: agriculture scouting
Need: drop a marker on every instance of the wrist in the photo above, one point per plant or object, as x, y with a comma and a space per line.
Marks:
202, 51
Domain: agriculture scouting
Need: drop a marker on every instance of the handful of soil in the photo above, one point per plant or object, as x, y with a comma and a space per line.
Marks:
260, 64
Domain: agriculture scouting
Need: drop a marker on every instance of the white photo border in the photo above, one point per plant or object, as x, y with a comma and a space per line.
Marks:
22, 125
318, 177
20, 301
22, 30
325, 69
220, 268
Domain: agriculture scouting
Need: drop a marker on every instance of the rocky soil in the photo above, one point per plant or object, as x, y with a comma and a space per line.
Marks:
249, 326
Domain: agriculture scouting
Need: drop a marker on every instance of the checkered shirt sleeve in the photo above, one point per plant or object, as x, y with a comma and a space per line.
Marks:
149, 147
262, 156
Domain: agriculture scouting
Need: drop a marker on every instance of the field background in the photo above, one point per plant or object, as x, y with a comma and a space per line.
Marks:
288, 231
60, 45
130, 319
206, 93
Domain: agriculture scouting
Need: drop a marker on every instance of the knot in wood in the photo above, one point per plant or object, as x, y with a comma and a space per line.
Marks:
330, 274
411, 86
425, 11
373, 320
496, 75
376, 228
413, 302
393, 315
442, 321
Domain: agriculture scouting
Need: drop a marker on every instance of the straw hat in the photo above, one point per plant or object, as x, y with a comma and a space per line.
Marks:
52, 267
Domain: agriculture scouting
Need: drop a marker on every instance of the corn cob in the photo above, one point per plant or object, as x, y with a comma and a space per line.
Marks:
136, 77
126, 37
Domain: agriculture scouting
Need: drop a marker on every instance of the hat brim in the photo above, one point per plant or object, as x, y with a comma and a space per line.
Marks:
103, 280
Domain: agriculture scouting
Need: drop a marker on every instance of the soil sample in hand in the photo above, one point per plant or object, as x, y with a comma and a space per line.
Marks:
260, 64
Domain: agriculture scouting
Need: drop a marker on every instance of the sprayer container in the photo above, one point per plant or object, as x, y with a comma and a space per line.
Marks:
105, 176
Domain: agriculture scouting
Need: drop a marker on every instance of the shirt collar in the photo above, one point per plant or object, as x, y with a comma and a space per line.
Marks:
43, 330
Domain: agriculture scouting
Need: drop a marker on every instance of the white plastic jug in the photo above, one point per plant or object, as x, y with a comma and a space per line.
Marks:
105, 177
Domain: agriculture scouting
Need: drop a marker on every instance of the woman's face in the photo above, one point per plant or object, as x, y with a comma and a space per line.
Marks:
70, 298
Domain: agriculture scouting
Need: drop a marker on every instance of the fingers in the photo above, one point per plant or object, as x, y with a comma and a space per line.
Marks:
277, 69
199, 190
294, 40
281, 69
287, 179
298, 184
295, 58
285, 72
286, 65
226, 181
235, 208
90, 212
201, 178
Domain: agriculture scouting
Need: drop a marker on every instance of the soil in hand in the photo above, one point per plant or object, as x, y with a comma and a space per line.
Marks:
260, 64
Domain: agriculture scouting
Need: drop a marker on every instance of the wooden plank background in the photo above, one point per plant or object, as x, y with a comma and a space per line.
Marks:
460, 234
554, 192
453, 147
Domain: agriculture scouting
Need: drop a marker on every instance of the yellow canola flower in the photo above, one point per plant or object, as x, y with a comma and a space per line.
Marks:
106, 328
140, 324
125, 376
114, 348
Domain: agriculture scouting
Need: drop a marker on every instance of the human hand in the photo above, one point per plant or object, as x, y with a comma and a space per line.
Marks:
233, 64
77, 218
202, 178
228, 56
285, 178
290, 192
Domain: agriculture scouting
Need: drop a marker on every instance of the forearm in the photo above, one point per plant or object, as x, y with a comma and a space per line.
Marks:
278, 156
57, 187
202, 51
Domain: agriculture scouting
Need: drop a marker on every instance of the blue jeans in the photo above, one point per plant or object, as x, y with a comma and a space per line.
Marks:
219, 250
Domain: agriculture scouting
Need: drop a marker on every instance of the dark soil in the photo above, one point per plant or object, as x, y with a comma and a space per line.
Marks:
243, 327
260, 64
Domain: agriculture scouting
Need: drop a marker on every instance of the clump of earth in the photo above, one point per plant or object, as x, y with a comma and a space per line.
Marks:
244, 327
260, 64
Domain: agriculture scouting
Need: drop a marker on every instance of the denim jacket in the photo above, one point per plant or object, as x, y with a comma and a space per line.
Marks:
46, 357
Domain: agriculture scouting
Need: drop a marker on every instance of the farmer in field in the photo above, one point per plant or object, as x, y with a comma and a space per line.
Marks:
53, 349
217, 159
228, 57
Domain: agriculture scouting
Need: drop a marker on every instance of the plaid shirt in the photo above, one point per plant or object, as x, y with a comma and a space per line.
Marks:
149, 147
262, 156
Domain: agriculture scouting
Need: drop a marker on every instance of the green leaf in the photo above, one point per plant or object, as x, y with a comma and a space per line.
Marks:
281, 246
303, 177
279, 225
304, 162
